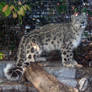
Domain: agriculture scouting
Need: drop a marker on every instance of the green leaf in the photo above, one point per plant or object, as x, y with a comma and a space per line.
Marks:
76, 10
7, 12
26, 7
61, 0
62, 8
21, 11
89, 12
16, 9
84, 10
2, 4
1, 55
20, 19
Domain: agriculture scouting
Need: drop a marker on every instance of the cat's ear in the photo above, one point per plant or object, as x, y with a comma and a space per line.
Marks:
75, 14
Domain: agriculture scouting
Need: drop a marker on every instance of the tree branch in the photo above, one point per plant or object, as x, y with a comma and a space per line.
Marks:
43, 81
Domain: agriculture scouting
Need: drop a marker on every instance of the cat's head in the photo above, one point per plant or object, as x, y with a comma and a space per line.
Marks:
79, 21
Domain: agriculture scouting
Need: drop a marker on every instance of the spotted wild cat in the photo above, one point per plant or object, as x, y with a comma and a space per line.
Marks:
61, 36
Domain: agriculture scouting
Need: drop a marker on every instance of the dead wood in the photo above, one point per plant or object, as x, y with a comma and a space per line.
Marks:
45, 82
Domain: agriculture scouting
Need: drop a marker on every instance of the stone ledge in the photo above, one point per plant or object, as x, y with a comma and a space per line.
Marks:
16, 87
68, 76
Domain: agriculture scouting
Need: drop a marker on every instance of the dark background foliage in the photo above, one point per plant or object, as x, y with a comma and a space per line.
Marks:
44, 12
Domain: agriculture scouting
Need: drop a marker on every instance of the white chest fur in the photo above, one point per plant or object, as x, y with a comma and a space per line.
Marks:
76, 41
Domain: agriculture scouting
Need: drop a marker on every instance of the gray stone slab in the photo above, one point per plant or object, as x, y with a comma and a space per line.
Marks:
16, 88
69, 82
66, 73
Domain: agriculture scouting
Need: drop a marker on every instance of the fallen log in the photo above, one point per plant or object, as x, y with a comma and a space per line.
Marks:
45, 82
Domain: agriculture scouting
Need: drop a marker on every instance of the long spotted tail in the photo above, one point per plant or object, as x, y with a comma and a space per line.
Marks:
12, 72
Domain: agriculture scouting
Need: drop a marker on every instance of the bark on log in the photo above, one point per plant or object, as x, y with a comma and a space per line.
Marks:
45, 82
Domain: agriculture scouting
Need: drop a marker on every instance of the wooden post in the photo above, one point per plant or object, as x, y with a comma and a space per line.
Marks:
45, 82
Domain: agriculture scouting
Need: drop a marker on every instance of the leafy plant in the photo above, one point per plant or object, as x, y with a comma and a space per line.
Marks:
1, 56
61, 6
14, 9
75, 5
